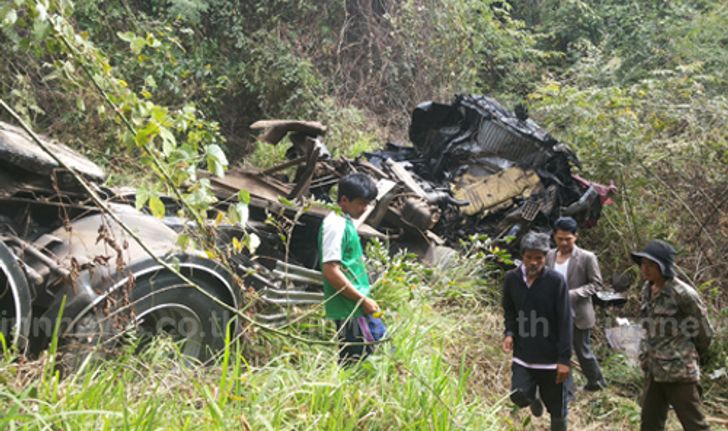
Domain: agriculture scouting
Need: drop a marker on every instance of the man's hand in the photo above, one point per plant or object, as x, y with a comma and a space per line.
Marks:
562, 372
508, 344
369, 306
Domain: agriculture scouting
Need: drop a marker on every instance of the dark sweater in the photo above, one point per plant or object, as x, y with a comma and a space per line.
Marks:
538, 317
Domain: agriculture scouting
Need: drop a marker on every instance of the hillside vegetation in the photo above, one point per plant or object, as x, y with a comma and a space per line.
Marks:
637, 88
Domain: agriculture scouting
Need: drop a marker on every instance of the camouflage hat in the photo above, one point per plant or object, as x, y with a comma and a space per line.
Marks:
535, 241
659, 252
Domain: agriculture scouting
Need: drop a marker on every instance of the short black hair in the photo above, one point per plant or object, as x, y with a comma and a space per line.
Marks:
357, 185
567, 224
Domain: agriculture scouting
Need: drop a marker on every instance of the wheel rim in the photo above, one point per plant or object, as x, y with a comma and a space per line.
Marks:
15, 310
179, 321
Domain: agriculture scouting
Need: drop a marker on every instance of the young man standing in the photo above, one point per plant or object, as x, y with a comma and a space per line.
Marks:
538, 328
677, 337
580, 269
346, 282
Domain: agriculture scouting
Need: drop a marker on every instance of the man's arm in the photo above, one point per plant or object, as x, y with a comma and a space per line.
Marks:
564, 337
644, 348
509, 314
593, 278
509, 309
692, 306
336, 278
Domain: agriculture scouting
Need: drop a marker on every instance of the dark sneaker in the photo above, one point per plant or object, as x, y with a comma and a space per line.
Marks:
536, 407
594, 387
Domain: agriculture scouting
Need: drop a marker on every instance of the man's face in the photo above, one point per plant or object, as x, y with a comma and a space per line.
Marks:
565, 241
650, 270
354, 207
533, 261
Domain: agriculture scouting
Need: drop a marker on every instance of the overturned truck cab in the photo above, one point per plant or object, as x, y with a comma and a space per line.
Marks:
67, 266
511, 172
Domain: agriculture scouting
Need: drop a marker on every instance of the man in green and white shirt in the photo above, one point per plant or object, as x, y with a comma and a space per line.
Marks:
346, 282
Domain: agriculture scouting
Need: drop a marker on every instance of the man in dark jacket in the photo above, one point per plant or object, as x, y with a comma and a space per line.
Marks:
538, 330
583, 279
677, 337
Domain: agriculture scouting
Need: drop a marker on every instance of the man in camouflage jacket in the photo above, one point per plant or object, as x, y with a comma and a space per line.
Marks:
677, 336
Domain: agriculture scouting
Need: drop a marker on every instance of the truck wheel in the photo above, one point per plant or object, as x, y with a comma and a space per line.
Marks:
15, 306
158, 302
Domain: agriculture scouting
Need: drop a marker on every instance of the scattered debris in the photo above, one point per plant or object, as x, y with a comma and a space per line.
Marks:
626, 337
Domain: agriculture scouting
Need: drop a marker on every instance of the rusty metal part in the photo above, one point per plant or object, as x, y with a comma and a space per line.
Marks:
486, 192
384, 189
284, 165
400, 173
277, 129
258, 185
306, 175
25, 247
418, 212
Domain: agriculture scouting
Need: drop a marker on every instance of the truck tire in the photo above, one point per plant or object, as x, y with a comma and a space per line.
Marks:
15, 301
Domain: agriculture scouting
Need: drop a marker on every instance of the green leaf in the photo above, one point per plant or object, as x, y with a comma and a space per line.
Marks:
137, 44
126, 36
40, 29
150, 82
10, 17
160, 114
142, 196
183, 241
152, 41
244, 196
169, 143
157, 206
216, 160
286, 202
238, 213
145, 135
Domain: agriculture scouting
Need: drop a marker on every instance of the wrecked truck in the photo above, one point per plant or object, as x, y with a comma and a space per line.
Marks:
66, 266
504, 174
472, 167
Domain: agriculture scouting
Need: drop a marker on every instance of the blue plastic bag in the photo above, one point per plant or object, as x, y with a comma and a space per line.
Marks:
372, 328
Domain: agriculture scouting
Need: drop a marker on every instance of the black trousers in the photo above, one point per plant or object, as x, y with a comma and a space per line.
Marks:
587, 359
581, 342
525, 381
350, 331
683, 397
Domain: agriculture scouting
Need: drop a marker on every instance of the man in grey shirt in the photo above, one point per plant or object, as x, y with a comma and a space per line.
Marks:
580, 269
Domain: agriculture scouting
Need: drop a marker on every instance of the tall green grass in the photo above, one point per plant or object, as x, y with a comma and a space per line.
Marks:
442, 370
267, 381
